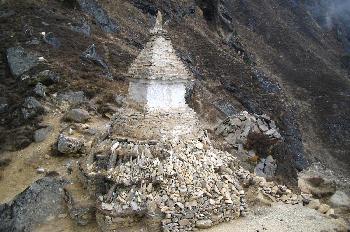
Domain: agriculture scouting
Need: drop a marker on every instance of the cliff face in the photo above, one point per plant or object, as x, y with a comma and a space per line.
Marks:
270, 56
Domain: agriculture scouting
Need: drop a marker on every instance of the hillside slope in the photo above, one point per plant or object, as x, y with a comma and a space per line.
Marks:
269, 57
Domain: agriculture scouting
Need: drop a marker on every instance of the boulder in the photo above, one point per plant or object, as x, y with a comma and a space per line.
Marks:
31, 108
68, 145
41, 200
77, 115
20, 61
340, 199
41, 134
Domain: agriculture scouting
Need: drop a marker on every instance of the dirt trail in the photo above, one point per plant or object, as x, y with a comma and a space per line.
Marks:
21, 172
282, 217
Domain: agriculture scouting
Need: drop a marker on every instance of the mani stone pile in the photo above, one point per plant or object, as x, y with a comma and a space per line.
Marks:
156, 170
174, 186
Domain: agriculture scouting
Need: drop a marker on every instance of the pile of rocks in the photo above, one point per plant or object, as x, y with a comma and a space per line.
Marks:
173, 186
236, 129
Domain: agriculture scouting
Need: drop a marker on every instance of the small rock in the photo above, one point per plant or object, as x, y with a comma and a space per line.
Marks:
184, 222
323, 208
47, 77
204, 224
77, 115
199, 146
331, 213
91, 54
40, 90
3, 105
68, 145
314, 204
41, 134
40, 170
50, 39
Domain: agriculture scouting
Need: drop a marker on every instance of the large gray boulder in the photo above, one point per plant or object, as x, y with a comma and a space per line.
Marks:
20, 61
43, 199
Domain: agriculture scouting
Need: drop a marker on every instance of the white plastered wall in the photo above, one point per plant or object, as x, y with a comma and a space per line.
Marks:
158, 94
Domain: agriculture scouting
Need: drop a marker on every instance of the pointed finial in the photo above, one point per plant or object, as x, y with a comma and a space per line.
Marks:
159, 23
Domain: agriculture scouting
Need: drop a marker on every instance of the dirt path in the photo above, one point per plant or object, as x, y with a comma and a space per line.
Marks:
282, 218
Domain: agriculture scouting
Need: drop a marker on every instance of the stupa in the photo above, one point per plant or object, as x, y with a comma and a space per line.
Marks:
155, 169
157, 108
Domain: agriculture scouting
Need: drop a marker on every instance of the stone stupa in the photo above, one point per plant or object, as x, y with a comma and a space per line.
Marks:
156, 169
157, 87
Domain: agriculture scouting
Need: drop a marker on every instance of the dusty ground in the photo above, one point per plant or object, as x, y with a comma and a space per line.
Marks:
282, 217
279, 217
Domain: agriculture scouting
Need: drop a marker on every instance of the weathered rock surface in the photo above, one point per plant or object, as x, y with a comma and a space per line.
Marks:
42, 133
91, 55
34, 205
31, 108
236, 129
47, 77
100, 15
52, 40
68, 144
82, 27
72, 97
40, 90
77, 115
20, 61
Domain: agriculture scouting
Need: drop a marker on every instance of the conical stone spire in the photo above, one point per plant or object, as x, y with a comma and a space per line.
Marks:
158, 60
158, 27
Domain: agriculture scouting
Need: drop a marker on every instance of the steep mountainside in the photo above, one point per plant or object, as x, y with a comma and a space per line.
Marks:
271, 56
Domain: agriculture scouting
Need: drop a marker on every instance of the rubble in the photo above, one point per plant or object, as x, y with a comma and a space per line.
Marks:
236, 128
